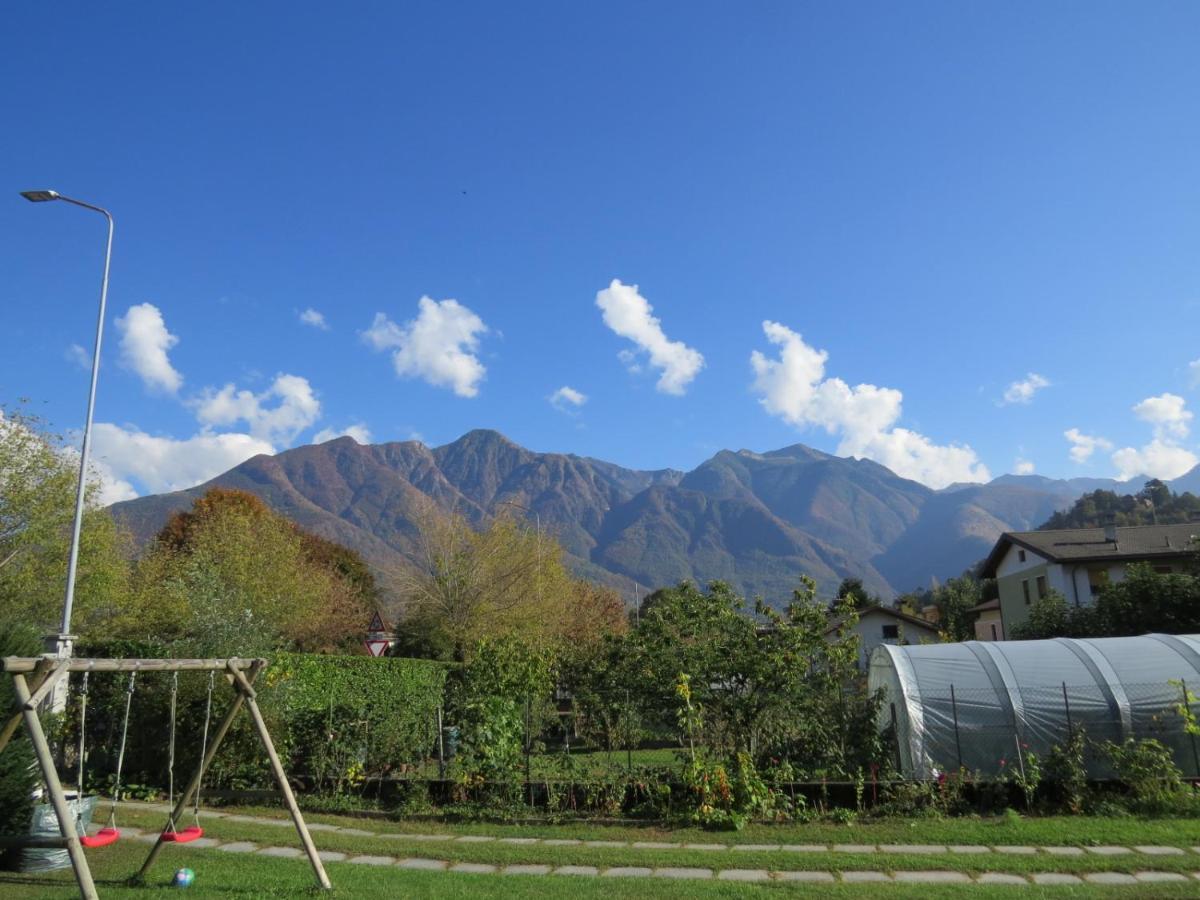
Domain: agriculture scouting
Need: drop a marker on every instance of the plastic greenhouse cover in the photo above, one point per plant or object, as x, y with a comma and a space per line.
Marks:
975, 705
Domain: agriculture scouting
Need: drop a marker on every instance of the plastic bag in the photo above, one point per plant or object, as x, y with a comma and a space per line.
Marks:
45, 824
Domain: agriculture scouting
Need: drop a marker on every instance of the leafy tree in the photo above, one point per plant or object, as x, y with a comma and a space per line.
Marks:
1146, 601
231, 576
1051, 616
955, 599
506, 580
38, 481
1153, 504
852, 589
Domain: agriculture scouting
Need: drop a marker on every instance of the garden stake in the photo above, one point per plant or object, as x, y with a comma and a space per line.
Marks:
1067, 707
957, 739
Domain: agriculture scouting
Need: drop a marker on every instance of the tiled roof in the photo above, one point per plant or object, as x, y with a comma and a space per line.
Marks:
1090, 544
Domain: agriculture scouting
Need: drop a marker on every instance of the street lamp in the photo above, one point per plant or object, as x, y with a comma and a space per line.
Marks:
61, 644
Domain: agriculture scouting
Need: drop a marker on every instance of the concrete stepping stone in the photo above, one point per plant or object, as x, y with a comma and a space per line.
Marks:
331, 856
281, 852
1055, 878
148, 837
357, 832
475, 839
520, 841
419, 838
474, 868
854, 848
605, 844
1064, 851
931, 877
203, 843
1155, 850
436, 865
682, 872
1107, 850
628, 872
366, 860
1015, 850
969, 848
527, 870
321, 826
805, 876
238, 847
651, 845
805, 848
743, 875
864, 877
577, 870
564, 842
1158, 877
1109, 878
705, 846
756, 848
1000, 878
911, 848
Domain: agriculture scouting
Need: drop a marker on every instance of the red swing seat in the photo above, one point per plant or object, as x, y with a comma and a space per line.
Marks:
101, 838
182, 837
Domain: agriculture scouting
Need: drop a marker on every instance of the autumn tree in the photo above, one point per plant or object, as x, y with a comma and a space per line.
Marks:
231, 576
505, 580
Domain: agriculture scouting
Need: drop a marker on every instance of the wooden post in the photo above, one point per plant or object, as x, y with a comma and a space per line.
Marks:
66, 821
211, 754
1067, 708
14, 722
281, 777
957, 738
441, 747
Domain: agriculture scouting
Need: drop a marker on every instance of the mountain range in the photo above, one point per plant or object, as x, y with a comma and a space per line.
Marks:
757, 520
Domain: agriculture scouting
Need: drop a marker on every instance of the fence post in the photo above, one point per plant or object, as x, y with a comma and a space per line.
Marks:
1191, 734
957, 738
1067, 707
441, 746
896, 735
628, 742
528, 777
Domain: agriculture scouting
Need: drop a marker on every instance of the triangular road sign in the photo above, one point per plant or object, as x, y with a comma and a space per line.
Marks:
376, 623
377, 647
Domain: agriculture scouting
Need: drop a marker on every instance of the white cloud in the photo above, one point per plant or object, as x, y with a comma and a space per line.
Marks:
311, 317
358, 431
1194, 372
1023, 467
1163, 457
79, 356
144, 345
126, 455
567, 397
438, 346
1158, 459
794, 388
297, 408
1167, 414
629, 315
1084, 445
1023, 391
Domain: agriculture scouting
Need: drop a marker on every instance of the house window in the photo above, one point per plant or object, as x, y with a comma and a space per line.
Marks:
1025, 590
1021, 555
995, 637
1041, 586
891, 632
1097, 580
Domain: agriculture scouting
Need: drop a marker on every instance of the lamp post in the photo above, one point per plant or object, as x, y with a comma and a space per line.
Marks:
61, 644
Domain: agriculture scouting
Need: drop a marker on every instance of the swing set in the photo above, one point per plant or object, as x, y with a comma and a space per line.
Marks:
33, 680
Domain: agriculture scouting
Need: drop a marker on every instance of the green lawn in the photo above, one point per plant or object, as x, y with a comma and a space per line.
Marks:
229, 875
226, 875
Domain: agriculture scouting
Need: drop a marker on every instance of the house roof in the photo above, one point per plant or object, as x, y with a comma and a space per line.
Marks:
994, 603
1090, 545
888, 611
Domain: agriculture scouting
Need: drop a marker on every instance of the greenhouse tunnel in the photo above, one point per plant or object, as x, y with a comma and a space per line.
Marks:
972, 705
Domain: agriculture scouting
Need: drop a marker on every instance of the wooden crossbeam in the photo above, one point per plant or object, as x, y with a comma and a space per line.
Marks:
17, 664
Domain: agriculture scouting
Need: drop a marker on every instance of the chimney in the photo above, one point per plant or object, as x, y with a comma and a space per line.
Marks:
1110, 529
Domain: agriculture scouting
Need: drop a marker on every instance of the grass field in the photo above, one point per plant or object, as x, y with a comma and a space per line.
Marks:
228, 875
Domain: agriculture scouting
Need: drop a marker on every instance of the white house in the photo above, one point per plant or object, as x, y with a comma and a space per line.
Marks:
1078, 562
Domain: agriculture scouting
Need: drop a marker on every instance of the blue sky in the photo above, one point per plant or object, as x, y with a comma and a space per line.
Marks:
943, 199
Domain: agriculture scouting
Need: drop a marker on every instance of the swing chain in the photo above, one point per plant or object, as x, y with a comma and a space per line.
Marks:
116, 795
83, 695
171, 755
203, 748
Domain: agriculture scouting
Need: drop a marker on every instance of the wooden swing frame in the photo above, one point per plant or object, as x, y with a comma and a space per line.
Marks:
33, 680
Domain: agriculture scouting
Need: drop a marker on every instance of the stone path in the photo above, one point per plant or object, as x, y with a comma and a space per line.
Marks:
719, 873
904, 849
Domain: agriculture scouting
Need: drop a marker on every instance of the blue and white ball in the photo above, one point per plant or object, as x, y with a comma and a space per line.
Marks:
183, 878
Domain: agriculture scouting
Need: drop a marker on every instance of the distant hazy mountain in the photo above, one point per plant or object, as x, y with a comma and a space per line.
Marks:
758, 520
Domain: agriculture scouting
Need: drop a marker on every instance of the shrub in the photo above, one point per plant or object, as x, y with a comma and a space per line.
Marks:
18, 766
1066, 772
1149, 772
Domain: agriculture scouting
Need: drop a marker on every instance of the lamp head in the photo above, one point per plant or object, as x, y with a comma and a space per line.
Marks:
39, 196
